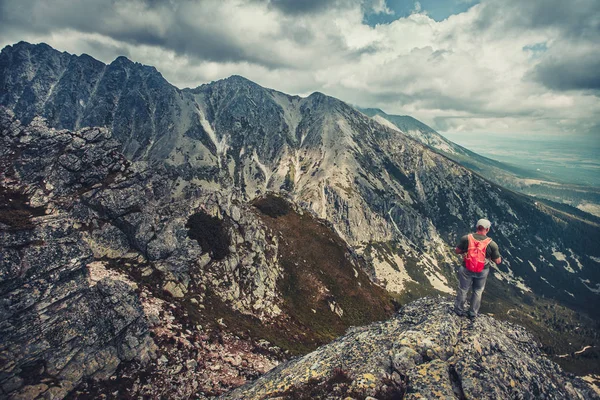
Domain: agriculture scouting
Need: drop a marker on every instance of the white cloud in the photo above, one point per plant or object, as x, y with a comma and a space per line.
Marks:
380, 7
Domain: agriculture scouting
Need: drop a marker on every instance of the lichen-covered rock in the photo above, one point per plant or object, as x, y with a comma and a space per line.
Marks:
426, 351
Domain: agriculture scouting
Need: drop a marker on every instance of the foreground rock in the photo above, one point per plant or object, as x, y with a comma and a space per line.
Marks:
57, 326
427, 352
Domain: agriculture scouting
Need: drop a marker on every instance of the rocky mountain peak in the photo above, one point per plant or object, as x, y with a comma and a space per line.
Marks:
424, 351
238, 79
122, 60
29, 46
141, 69
321, 99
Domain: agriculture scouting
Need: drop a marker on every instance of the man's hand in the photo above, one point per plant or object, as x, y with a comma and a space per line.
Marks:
498, 260
458, 250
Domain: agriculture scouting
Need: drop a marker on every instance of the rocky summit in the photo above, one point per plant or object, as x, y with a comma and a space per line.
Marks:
424, 352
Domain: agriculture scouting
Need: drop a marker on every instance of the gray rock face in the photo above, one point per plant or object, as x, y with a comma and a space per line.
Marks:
56, 327
126, 211
73, 92
425, 351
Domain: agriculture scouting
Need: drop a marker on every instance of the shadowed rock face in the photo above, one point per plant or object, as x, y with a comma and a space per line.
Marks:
425, 351
56, 326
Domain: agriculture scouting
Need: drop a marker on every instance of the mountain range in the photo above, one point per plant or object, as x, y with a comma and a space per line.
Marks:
562, 193
253, 212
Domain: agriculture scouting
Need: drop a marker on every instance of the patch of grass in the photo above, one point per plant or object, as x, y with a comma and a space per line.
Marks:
319, 272
273, 206
325, 289
210, 233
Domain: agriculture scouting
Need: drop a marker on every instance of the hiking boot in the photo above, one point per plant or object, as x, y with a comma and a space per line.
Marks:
460, 313
471, 315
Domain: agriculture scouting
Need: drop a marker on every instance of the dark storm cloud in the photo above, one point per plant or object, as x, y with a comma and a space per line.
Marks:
579, 73
302, 6
576, 18
175, 27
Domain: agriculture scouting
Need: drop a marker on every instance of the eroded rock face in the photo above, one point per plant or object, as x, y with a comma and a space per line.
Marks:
425, 351
57, 327
139, 212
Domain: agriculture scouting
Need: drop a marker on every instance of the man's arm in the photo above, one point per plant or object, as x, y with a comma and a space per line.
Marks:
463, 245
495, 253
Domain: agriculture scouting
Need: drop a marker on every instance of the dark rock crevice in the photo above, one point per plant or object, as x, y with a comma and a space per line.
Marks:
456, 383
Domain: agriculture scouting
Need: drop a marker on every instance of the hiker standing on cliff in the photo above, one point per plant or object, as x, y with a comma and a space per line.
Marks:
478, 252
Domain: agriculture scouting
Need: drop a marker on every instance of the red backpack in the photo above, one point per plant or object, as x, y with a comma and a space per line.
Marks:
475, 258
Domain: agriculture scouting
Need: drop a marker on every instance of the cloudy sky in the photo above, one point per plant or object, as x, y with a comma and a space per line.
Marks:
462, 66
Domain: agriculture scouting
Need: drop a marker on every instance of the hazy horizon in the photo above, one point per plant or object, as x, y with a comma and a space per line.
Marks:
568, 159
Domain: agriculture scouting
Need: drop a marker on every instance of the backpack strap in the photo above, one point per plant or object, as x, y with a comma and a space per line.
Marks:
476, 243
486, 242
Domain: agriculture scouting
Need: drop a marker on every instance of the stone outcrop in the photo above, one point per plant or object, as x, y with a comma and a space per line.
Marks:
56, 326
424, 352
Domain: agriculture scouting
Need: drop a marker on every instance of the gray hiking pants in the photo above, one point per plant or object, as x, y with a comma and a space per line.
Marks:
467, 278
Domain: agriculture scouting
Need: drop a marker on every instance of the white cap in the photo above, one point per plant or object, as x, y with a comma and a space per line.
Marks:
484, 223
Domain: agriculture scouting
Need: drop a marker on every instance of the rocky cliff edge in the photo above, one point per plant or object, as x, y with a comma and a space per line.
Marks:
425, 351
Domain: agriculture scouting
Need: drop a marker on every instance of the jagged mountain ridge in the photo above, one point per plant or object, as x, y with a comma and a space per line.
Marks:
376, 185
494, 170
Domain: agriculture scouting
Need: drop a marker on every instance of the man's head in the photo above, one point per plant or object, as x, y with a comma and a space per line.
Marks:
483, 225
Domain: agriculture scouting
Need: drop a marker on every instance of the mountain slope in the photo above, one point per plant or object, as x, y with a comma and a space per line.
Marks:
527, 181
499, 172
401, 204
